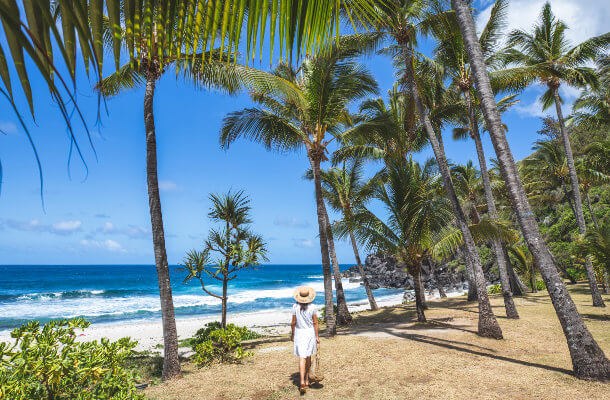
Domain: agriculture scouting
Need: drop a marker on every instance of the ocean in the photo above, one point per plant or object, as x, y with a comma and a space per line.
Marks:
114, 293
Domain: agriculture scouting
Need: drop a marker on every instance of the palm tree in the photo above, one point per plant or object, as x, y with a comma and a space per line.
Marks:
236, 247
588, 359
328, 83
215, 72
597, 243
417, 211
592, 108
545, 55
546, 174
382, 131
347, 192
403, 21
451, 53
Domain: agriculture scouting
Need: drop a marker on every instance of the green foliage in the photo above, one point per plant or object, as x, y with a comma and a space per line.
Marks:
47, 363
576, 274
203, 334
495, 289
221, 345
540, 285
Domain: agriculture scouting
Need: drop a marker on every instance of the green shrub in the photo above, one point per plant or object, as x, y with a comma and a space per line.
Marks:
47, 363
203, 334
576, 274
221, 345
495, 289
540, 285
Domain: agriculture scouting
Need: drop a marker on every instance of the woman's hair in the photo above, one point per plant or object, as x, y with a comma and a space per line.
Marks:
303, 306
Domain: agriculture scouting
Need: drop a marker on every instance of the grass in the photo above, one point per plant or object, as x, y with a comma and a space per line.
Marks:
386, 355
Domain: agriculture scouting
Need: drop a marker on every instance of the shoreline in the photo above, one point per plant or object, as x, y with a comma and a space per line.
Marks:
149, 333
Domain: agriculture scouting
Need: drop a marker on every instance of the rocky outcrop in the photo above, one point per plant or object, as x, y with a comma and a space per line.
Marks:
384, 271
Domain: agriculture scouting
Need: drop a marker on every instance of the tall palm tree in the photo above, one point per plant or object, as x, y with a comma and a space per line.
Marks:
347, 192
403, 21
451, 53
417, 211
545, 55
588, 359
216, 72
546, 175
327, 83
389, 132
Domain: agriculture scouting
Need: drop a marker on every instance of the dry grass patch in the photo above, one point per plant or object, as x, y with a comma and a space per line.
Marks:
385, 355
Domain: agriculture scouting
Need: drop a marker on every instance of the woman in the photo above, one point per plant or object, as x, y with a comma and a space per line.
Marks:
304, 331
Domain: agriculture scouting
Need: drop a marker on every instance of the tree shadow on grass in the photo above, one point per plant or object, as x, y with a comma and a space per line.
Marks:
453, 345
596, 317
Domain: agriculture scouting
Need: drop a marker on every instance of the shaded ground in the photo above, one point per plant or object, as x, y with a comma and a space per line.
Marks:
385, 355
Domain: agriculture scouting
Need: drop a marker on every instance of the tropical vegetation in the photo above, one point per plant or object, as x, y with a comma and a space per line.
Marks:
546, 216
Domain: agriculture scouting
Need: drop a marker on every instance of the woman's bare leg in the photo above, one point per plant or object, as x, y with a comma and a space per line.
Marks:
307, 367
303, 370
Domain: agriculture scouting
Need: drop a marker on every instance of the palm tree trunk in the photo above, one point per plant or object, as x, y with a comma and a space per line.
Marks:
588, 359
171, 362
488, 325
533, 282
223, 320
422, 288
331, 327
365, 280
343, 315
517, 286
578, 212
509, 304
472, 287
590, 207
606, 282
419, 295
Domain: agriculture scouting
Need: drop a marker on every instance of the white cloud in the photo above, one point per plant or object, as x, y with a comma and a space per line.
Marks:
291, 222
168, 186
131, 231
35, 225
8, 128
584, 18
108, 245
534, 109
303, 243
65, 227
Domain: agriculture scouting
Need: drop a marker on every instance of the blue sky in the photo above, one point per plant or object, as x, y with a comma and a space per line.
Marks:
104, 218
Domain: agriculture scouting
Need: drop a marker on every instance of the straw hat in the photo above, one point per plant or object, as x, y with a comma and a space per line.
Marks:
304, 294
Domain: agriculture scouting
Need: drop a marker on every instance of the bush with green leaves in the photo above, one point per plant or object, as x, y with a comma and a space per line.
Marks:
495, 289
203, 334
222, 345
540, 285
48, 363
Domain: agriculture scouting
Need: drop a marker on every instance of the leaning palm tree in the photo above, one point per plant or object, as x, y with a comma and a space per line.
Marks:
347, 192
588, 359
417, 211
403, 21
328, 83
451, 53
545, 55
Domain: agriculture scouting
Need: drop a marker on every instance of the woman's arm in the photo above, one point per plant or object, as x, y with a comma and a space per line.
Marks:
315, 326
293, 324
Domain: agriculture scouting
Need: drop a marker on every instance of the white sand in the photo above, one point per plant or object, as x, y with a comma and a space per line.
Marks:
149, 333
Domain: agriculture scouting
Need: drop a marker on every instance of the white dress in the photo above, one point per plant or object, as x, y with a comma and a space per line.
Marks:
304, 333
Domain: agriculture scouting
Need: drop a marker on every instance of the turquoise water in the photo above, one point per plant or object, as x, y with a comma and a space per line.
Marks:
107, 293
